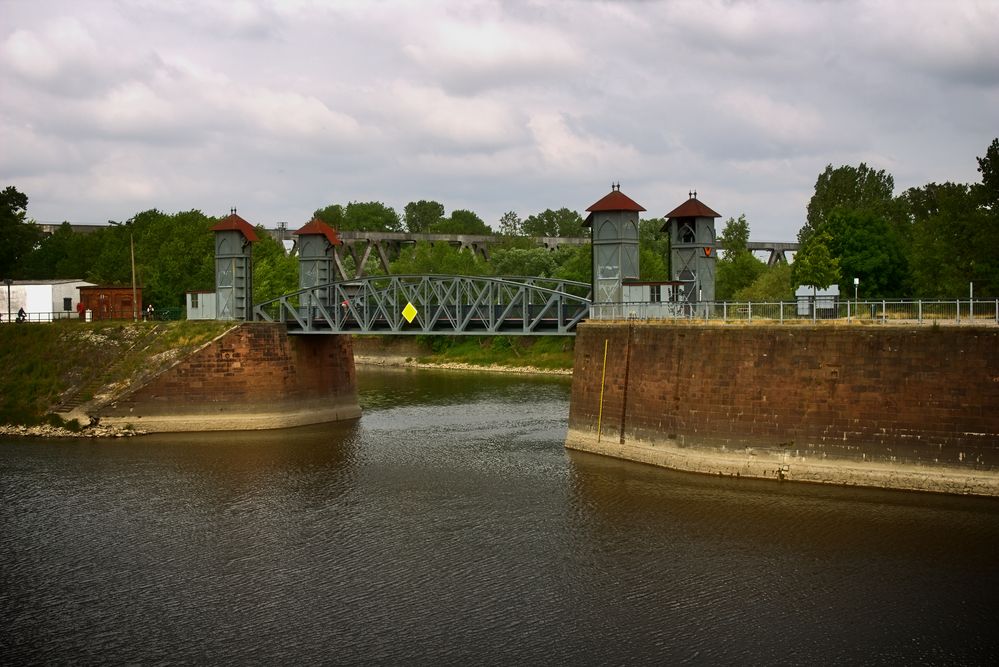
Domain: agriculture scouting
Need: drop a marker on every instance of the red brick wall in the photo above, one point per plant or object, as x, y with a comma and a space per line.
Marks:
928, 395
255, 366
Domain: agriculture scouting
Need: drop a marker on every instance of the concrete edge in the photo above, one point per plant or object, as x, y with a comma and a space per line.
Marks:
234, 421
779, 466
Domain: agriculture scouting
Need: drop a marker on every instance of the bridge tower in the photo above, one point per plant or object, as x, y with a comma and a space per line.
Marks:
234, 237
693, 250
613, 223
316, 255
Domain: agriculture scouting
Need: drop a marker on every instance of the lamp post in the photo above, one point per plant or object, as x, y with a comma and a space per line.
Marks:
856, 301
8, 282
131, 248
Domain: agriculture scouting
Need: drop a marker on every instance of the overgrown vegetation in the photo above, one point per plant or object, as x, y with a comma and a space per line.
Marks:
544, 352
44, 362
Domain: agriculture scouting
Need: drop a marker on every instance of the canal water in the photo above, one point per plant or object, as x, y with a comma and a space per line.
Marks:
449, 526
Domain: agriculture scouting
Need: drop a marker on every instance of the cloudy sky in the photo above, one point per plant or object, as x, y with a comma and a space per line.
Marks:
279, 107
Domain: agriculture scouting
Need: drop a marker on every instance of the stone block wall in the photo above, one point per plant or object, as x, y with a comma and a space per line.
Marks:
925, 396
253, 376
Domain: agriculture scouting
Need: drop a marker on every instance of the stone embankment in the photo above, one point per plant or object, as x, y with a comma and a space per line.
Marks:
47, 431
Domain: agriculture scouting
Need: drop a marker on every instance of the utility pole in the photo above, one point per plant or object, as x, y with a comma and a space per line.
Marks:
131, 249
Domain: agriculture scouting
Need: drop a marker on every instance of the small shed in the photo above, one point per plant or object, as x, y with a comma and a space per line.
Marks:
824, 301
111, 302
201, 305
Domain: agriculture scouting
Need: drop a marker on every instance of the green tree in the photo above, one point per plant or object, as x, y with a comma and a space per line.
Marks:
737, 268
815, 264
735, 236
988, 167
574, 263
439, 258
952, 241
653, 249
62, 254
867, 247
173, 254
773, 284
736, 272
651, 265
523, 262
274, 271
510, 224
18, 237
560, 223
852, 189
421, 215
369, 216
332, 215
461, 221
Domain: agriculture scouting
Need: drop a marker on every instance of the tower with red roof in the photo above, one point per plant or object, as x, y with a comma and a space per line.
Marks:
316, 259
693, 250
613, 223
234, 238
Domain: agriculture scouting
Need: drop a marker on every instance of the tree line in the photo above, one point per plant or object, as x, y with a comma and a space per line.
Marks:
174, 252
927, 242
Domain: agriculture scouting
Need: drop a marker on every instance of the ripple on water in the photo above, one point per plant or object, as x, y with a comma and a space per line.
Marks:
449, 525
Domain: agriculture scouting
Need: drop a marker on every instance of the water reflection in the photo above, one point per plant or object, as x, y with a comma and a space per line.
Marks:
449, 525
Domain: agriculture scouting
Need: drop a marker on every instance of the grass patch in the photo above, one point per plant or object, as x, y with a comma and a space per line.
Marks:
42, 362
545, 352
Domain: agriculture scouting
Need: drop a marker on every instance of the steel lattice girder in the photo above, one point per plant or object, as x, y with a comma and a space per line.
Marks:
444, 304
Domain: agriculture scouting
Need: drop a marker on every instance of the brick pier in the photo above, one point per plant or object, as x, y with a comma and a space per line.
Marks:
254, 376
890, 407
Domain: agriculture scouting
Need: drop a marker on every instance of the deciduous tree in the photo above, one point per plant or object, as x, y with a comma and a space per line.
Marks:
814, 264
18, 236
421, 215
562, 222
853, 189
461, 221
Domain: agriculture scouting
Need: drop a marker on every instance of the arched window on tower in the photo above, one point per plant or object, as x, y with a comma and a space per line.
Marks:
686, 233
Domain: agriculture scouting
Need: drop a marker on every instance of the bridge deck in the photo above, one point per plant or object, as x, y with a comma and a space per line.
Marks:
414, 305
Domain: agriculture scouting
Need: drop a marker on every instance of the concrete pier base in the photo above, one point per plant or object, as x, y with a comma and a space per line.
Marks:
778, 465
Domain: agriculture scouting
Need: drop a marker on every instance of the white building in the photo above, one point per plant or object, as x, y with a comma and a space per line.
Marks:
201, 305
42, 300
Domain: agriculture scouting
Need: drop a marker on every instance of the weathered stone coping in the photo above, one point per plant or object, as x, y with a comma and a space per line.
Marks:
778, 465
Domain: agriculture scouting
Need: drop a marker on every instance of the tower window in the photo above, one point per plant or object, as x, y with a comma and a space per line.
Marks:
686, 234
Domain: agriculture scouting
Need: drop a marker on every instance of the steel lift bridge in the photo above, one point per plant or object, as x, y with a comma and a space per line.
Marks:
433, 304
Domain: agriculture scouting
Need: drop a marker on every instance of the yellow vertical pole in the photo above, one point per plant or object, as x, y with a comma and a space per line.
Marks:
603, 375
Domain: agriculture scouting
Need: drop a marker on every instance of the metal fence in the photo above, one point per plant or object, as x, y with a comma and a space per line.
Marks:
163, 314
895, 311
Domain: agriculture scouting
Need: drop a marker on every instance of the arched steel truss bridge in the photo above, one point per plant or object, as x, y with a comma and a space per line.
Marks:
433, 304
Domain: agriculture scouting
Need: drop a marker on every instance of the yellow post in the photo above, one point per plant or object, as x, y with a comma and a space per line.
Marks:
603, 375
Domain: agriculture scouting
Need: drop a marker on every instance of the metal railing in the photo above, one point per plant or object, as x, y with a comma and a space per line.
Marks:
884, 311
163, 314
433, 304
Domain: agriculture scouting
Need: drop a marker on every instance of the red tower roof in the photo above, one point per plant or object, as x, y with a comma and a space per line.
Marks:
317, 226
233, 222
692, 208
615, 200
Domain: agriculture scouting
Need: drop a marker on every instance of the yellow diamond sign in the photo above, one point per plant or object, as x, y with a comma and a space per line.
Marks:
409, 312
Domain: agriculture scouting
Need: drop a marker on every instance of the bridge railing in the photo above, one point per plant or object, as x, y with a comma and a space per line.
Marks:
454, 305
884, 311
